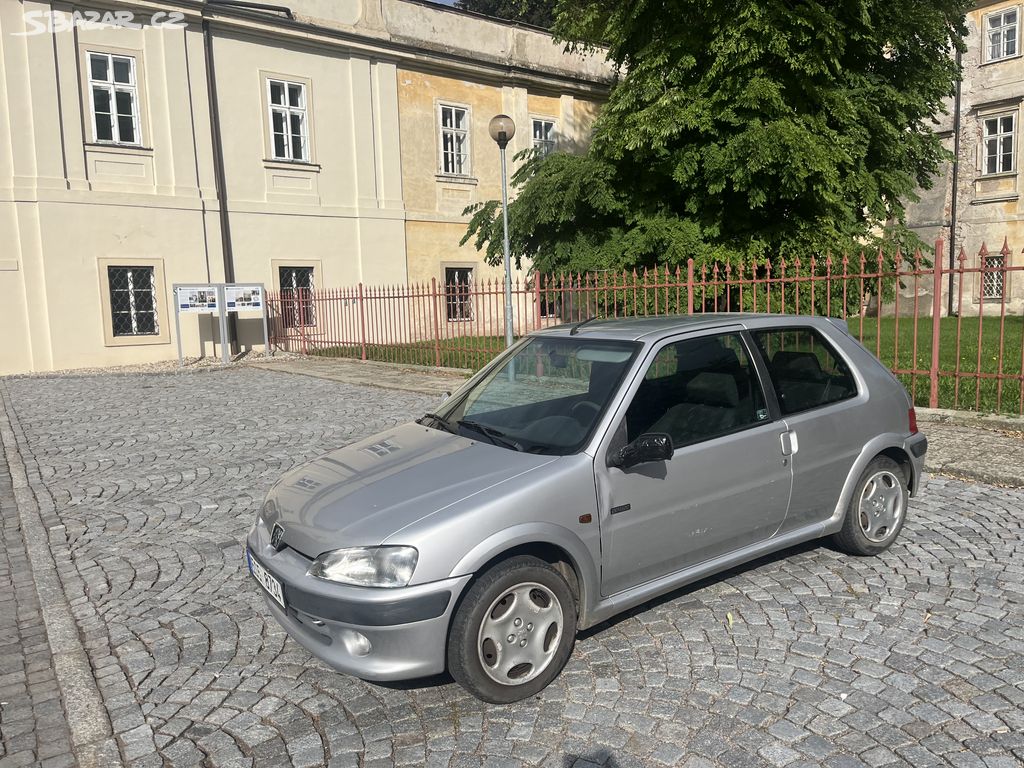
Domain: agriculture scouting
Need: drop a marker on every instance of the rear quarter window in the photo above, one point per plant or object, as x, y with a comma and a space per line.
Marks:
805, 368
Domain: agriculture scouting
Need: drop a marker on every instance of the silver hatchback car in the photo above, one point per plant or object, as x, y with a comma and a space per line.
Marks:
588, 469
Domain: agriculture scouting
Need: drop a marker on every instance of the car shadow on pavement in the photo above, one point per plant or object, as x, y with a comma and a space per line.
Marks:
434, 681
600, 757
696, 586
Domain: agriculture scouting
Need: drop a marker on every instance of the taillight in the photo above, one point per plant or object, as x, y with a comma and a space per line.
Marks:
912, 417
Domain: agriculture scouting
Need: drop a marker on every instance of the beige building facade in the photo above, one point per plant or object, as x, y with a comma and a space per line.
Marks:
145, 144
979, 200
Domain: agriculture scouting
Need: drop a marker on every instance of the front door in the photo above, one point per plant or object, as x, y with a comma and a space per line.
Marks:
728, 482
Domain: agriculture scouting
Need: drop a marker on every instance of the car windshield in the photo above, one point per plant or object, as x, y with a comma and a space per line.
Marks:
546, 398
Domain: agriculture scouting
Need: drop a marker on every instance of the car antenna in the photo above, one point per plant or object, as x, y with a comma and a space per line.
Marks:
575, 329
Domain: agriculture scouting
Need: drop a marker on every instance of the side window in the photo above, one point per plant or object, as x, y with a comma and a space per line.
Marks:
696, 390
114, 98
288, 120
805, 369
454, 140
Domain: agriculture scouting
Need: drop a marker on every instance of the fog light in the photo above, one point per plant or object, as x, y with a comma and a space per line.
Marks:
355, 643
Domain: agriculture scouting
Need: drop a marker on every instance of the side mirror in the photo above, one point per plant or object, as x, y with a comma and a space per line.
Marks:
650, 446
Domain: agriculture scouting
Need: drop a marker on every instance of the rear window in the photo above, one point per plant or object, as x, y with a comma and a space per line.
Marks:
805, 369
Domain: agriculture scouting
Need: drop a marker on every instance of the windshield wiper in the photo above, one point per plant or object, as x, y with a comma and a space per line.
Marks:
440, 420
496, 436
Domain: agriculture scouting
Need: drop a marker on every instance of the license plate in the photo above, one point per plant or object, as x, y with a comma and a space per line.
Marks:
266, 580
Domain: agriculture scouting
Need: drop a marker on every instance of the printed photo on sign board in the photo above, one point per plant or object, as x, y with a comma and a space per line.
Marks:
197, 299
240, 298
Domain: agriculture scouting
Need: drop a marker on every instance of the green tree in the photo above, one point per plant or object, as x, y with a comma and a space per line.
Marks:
739, 130
540, 13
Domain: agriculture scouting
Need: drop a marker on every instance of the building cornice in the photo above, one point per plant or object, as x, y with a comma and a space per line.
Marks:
377, 43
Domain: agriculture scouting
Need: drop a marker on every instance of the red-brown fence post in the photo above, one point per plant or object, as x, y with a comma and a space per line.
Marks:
437, 323
933, 371
536, 301
303, 317
362, 322
689, 286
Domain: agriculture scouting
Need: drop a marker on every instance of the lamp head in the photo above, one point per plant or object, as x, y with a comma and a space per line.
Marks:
502, 128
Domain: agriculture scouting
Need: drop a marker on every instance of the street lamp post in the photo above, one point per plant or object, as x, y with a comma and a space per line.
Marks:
502, 129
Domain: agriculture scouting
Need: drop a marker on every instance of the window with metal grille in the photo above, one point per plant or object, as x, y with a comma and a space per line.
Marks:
999, 140
992, 277
544, 136
1001, 34
297, 306
288, 134
548, 307
113, 98
133, 301
458, 283
454, 140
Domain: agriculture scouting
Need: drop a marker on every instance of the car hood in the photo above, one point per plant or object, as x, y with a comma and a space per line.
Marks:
361, 494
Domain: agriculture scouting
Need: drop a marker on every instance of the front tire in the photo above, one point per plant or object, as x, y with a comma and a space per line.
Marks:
513, 632
877, 509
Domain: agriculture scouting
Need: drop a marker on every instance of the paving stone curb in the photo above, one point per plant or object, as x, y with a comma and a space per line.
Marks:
371, 373
987, 448
86, 714
994, 421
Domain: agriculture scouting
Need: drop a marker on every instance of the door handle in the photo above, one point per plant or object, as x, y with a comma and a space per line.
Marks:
790, 443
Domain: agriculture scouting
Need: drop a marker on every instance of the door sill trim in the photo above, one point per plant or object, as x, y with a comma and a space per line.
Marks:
629, 598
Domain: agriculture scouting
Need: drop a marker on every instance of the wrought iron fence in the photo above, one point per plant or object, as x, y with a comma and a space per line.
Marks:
896, 305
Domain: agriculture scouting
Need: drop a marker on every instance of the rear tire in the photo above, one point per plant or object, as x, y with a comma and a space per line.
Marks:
513, 632
877, 509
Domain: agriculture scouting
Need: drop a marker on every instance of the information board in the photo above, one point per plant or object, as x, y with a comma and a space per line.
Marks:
196, 298
220, 299
243, 298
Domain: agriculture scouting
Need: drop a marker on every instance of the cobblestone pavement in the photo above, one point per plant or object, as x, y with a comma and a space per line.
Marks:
146, 484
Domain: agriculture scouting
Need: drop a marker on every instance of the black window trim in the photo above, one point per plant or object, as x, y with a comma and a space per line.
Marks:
830, 344
760, 374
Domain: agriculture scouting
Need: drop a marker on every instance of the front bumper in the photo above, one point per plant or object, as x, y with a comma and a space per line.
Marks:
406, 628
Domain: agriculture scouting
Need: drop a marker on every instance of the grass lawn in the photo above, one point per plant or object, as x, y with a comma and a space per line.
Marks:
972, 394
472, 352
897, 352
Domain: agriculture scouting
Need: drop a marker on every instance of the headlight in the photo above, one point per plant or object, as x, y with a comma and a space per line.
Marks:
367, 566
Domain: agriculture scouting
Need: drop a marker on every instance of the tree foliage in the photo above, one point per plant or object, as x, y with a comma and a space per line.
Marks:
540, 13
739, 129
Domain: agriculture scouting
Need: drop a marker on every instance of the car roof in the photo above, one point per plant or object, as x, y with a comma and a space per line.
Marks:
653, 328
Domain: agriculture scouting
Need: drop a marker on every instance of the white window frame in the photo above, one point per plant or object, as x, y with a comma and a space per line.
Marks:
998, 136
546, 146
113, 89
301, 111
467, 165
987, 33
